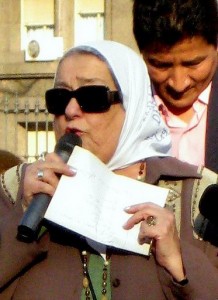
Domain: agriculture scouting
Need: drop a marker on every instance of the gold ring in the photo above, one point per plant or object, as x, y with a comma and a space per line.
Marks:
40, 174
151, 221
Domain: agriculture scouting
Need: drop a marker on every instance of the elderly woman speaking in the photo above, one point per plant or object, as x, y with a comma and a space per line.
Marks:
102, 94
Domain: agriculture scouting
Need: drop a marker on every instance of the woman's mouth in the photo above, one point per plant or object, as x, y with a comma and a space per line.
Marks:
76, 131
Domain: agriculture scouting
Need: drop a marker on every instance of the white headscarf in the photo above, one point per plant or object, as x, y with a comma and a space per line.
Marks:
144, 134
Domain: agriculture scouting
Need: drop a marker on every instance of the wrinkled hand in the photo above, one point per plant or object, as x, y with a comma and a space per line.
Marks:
51, 167
166, 244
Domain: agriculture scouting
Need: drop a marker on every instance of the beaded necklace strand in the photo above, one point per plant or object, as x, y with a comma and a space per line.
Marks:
87, 284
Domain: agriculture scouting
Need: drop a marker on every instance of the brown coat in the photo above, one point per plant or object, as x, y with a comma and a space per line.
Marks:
55, 272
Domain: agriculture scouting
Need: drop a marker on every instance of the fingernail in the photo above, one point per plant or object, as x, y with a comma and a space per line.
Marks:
127, 208
124, 225
73, 170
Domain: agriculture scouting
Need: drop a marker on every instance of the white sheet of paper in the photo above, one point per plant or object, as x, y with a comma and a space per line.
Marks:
92, 202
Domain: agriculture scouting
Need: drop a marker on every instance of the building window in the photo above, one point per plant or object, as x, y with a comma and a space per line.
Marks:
37, 19
89, 20
37, 31
38, 142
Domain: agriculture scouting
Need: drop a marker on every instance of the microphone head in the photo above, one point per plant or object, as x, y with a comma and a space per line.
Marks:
66, 144
208, 205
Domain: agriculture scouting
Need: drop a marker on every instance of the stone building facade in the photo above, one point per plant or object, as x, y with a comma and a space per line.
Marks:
23, 82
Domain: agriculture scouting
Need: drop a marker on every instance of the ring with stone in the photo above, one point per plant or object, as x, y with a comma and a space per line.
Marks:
40, 174
42, 155
151, 221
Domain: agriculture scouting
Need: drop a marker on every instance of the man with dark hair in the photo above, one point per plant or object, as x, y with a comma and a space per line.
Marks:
178, 40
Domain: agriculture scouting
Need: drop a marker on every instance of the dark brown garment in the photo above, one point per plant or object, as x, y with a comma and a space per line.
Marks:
211, 147
56, 270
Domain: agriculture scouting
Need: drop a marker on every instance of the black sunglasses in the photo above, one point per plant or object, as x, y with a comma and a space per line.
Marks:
91, 99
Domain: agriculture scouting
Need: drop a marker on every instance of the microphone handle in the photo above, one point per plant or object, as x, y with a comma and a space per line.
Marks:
29, 227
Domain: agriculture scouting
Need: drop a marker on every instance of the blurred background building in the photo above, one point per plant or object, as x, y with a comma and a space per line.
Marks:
34, 34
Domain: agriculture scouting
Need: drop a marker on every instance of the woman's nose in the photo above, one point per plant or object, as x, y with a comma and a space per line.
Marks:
73, 109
